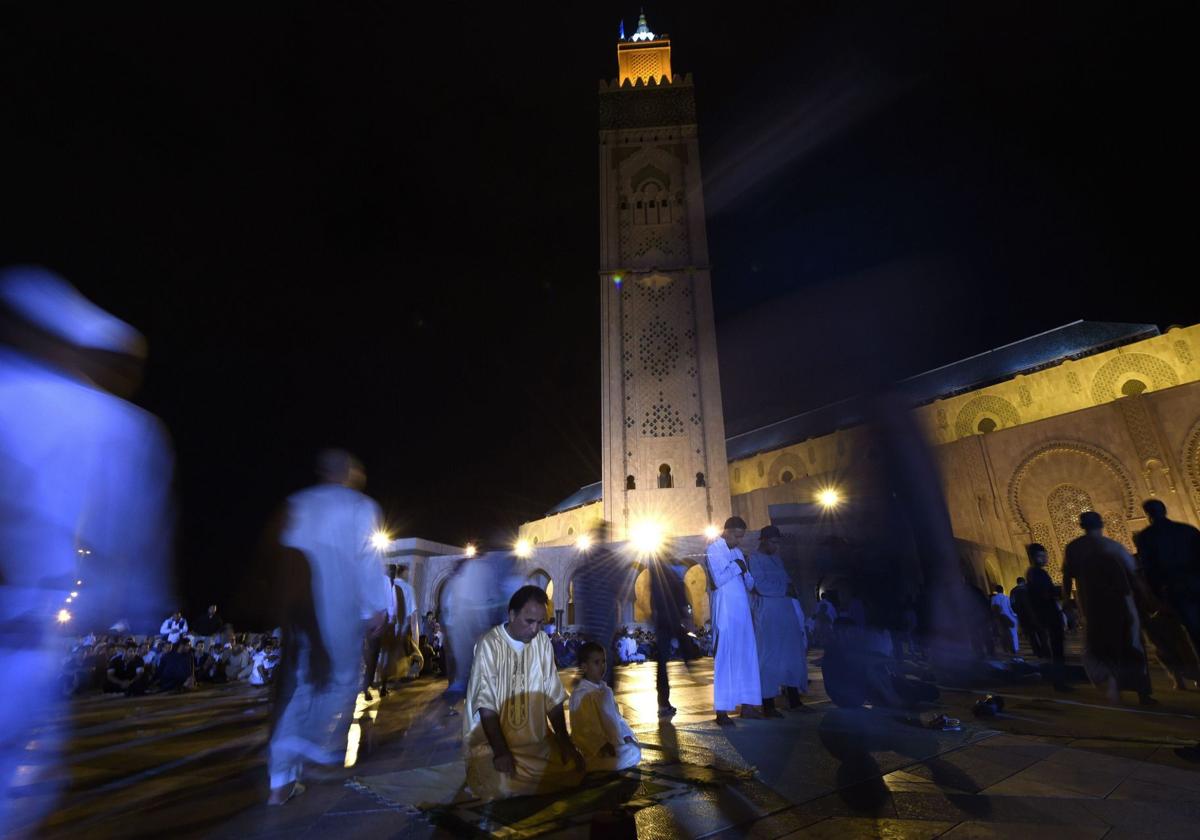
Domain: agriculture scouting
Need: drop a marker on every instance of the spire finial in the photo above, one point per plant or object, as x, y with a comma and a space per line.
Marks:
643, 30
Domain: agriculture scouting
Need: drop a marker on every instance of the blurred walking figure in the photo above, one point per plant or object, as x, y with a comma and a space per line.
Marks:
79, 466
736, 680
331, 524
476, 600
1113, 655
602, 585
403, 652
377, 645
826, 616
779, 630
668, 606
1169, 552
1045, 614
1018, 599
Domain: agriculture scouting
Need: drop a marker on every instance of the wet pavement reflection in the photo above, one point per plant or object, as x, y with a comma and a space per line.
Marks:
193, 765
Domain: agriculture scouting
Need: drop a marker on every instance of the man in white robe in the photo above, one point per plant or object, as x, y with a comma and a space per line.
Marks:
627, 648
378, 647
778, 625
736, 679
1005, 619
513, 690
331, 524
403, 649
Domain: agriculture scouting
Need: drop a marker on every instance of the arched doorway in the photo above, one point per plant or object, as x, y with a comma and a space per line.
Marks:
438, 606
1065, 503
695, 583
642, 612
541, 578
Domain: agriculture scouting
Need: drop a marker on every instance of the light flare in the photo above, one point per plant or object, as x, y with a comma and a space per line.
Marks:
829, 498
647, 536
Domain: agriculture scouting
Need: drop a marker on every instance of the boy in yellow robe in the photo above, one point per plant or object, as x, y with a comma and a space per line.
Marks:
597, 728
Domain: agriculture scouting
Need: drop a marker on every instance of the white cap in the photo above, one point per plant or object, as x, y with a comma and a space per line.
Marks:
49, 302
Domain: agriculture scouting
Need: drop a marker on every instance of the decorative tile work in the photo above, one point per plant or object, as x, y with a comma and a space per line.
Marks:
662, 420
1065, 504
1047, 450
965, 424
1158, 373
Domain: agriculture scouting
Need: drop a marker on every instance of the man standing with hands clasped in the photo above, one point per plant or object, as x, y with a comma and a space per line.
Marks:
735, 668
778, 625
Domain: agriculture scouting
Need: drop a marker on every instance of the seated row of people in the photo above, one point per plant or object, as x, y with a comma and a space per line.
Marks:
129, 667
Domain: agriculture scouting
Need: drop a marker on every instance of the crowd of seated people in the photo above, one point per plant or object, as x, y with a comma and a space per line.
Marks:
433, 647
173, 660
631, 645
566, 647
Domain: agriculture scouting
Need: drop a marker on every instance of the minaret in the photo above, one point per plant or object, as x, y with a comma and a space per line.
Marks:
663, 427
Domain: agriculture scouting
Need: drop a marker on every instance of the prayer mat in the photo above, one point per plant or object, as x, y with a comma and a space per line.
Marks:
440, 793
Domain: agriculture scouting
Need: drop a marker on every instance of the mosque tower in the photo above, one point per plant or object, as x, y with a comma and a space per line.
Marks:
664, 462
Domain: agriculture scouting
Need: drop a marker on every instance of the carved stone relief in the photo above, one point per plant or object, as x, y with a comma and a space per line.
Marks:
989, 406
1156, 372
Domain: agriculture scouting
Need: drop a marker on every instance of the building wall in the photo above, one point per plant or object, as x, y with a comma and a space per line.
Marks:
563, 528
1029, 483
1157, 363
1103, 432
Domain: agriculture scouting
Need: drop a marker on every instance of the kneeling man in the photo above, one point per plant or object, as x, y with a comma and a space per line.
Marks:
514, 688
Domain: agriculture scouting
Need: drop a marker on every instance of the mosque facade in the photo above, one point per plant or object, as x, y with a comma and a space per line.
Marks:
1091, 416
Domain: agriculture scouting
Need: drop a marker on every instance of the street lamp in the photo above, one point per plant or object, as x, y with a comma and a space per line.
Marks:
63, 616
380, 540
523, 548
584, 542
470, 550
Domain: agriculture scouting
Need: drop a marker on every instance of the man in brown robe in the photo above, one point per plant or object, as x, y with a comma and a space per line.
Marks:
1105, 575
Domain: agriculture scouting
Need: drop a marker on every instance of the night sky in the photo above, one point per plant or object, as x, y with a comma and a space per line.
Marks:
378, 229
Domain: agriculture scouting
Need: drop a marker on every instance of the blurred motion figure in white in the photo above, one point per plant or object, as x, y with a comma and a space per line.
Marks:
83, 474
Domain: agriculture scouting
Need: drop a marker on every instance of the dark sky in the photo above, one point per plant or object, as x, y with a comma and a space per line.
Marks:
378, 229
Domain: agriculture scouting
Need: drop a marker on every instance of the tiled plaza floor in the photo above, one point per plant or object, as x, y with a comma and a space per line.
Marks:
1054, 765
